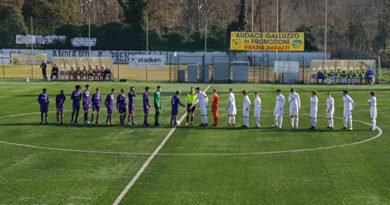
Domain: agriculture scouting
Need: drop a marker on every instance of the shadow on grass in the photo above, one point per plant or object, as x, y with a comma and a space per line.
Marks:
272, 129
71, 125
263, 129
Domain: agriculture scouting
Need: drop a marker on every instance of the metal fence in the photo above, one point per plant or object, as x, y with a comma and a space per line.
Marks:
261, 67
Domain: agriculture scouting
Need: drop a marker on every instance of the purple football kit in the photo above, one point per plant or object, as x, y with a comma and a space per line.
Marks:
121, 103
86, 100
96, 102
43, 100
110, 103
146, 105
175, 105
131, 96
76, 98
60, 101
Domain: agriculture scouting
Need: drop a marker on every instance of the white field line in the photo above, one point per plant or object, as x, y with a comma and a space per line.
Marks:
147, 162
380, 133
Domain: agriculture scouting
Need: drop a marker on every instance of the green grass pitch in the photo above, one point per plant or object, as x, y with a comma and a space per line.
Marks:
206, 166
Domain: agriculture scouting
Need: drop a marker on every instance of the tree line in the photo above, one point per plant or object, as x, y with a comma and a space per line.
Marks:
356, 29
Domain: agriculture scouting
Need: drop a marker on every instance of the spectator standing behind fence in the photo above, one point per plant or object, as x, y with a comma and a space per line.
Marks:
320, 76
44, 67
54, 72
369, 75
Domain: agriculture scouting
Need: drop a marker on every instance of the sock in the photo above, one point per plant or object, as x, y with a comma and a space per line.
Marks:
315, 122
92, 117
297, 122
205, 119
276, 121
77, 116
257, 121
156, 118
234, 120
85, 116
349, 123
345, 122
72, 116
188, 117
280, 120
58, 116
97, 117
292, 122
229, 120
46, 118
331, 123
374, 124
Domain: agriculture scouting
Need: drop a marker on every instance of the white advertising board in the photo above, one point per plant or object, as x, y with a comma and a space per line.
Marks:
147, 60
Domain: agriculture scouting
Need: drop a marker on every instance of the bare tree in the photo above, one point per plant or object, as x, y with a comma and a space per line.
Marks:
195, 12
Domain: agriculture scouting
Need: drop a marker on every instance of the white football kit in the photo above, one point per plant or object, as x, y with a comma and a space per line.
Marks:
203, 102
257, 110
330, 108
232, 105
349, 105
232, 111
295, 103
313, 110
373, 111
279, 109
245, 111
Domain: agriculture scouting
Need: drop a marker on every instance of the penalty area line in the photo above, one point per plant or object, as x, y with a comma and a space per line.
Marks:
147, 162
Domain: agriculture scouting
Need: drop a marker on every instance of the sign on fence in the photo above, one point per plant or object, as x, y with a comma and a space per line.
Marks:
147, 60
5, 60
28, 58
37, 39
286, 67
83, 42
342, 64
259, 41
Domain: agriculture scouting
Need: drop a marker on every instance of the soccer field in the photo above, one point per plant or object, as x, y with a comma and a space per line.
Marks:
92, 164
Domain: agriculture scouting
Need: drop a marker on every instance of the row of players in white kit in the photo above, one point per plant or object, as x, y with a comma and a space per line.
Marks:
295, 105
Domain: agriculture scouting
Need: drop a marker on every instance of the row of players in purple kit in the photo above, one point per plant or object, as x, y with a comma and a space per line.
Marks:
95, 102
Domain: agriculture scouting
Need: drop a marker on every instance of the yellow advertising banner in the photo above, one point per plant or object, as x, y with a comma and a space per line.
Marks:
259, 41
